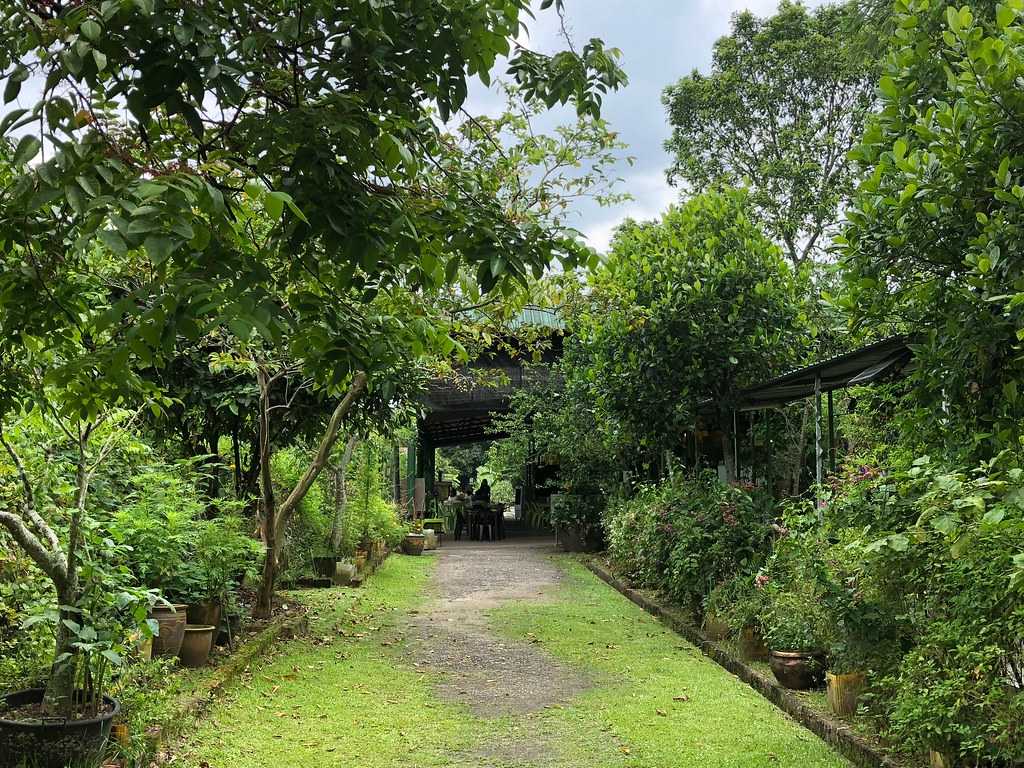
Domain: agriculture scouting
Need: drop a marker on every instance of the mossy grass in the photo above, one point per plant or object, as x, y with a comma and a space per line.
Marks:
350, 695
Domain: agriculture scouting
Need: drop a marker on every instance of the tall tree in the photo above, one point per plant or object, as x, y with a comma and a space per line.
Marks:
782, 106
935, 232
689, 310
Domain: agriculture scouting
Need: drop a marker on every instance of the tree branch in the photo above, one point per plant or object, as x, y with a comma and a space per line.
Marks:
323, 453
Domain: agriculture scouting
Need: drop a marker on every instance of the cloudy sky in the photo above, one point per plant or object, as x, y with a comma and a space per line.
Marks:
661, 40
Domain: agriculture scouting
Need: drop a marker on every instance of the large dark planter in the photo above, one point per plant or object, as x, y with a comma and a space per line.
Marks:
798, 670
205, 613
54, 743
414, 543
171, 622
324, 566
579, 540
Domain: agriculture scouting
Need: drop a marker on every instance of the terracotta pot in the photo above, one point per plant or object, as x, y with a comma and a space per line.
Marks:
146, 649
360, 559
937, 759
752, 645
843, 692
195, 650
414, 543
798, 670
170, 620
205, 613
714, 628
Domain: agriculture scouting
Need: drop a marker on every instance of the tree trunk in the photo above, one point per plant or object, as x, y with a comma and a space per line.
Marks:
341, 496
728, 449
265, 599
276, 518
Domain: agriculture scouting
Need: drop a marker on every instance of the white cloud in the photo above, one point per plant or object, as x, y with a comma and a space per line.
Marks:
652, 196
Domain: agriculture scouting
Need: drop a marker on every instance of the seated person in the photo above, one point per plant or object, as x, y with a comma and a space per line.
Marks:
483, 493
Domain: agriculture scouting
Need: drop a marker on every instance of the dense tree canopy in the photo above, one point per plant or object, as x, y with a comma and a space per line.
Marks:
934, 234
687, 309
783, 104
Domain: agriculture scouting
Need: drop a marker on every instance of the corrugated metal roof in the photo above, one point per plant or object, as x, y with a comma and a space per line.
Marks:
542, 317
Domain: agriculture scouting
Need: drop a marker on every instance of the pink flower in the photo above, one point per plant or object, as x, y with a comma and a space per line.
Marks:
761, 580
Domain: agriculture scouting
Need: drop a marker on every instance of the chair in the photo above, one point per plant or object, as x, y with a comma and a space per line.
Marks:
438, 525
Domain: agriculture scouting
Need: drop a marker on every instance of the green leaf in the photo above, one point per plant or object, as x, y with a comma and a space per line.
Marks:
90, 30
27, 149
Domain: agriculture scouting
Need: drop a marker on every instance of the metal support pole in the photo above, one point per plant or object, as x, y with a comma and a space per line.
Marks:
819, 455
831, 434
735, 448
410, 471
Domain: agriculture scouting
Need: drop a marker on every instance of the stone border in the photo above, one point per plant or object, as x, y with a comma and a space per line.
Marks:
191, 706
837, 733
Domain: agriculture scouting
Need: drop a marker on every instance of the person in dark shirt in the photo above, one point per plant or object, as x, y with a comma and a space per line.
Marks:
483, 493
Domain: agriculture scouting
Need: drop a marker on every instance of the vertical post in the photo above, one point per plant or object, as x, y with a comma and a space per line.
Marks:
831, 434
410, 470
819, 456
396, 473
735, 448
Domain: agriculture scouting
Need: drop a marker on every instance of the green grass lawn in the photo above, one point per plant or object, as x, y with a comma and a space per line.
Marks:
348, 696
341, 696
658, 697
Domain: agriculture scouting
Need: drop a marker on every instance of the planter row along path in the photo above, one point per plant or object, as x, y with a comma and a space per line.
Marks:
492, 655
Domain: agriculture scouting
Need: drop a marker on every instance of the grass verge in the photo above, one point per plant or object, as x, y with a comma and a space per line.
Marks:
661, 701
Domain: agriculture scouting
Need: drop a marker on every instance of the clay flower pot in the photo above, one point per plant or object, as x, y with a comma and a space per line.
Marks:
752, 645
843, 692
940, 759
414, 543
360, 559
170, 621
798, 670
714, 628
195, 649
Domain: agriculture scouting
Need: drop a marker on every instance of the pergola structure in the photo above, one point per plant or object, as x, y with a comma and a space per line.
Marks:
462, 410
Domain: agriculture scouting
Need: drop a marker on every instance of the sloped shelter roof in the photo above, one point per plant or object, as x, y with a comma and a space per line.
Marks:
871, 363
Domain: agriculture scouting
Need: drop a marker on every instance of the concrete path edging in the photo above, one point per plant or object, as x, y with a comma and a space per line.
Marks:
837, 733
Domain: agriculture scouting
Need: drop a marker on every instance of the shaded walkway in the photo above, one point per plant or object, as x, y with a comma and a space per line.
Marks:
498, 656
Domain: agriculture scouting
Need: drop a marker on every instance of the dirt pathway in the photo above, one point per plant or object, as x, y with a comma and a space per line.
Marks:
494, 676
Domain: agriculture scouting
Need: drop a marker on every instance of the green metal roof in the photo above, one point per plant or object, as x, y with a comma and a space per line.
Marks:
541, 317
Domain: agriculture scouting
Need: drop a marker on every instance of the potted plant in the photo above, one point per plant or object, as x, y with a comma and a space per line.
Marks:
846, 678
109, 615
793, 624
716, 607
741, 608
414, 539
220, 551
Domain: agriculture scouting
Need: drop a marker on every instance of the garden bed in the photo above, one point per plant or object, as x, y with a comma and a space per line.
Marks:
808, 708
167, 711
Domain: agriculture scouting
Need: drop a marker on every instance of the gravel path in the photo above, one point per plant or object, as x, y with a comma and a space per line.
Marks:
493, 676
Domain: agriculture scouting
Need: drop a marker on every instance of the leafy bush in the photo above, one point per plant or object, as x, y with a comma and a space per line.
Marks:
688, 534
950, 575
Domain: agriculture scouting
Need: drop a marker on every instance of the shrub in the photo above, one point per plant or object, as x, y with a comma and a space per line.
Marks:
950, 575
689, 534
